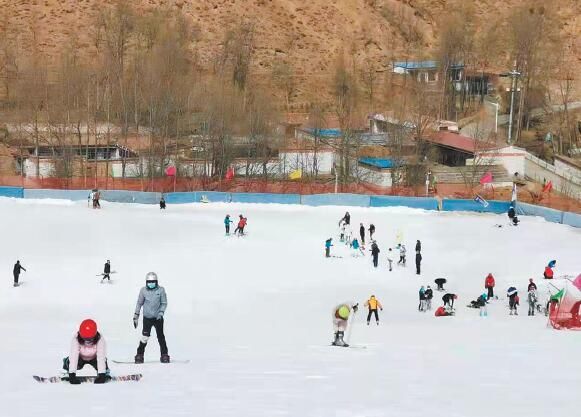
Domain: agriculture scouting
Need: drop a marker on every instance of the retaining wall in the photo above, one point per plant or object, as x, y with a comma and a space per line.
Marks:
14, 192
425, 203
471, 205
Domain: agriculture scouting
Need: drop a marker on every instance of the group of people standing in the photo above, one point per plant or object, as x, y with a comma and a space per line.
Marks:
239, 231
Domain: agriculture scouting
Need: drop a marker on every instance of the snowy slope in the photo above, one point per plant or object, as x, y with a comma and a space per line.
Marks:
254, 314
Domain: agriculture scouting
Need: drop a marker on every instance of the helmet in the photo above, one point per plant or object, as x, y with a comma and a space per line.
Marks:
88, 329
343, 312
151, 276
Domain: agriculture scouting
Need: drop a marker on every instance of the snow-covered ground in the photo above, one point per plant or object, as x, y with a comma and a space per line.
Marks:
254, 314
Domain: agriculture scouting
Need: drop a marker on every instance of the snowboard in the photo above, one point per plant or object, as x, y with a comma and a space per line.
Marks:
86, 379
102, 274
132, 362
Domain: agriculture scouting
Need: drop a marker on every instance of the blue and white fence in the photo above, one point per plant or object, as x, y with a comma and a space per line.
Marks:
354, 200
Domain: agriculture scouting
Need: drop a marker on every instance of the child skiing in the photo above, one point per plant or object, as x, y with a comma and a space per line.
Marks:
106, 271
241, 225
328, 244
341, 315
512, 300
402, 251
373, 304
87, 348
429, 295
153, 300
390, 258
227, 223
16, 272
422, 305
375, 253
489, 284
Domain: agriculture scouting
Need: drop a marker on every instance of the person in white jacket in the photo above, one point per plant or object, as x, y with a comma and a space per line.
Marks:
87, 347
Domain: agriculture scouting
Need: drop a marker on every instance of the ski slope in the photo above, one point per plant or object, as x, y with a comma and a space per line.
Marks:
254, 313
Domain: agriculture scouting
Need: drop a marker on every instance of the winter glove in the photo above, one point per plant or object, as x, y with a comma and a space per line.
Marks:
135, 321
73, 379
101, 379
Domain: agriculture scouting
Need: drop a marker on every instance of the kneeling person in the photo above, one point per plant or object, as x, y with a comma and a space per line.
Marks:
87, 347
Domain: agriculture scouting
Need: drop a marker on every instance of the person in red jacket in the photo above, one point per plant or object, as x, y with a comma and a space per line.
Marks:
548, 274
489, 284
241, 225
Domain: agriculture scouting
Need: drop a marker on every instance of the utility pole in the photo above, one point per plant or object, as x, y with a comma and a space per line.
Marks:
514, 74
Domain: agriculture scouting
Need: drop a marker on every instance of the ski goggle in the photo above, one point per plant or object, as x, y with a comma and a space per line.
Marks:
151, 284
89, 341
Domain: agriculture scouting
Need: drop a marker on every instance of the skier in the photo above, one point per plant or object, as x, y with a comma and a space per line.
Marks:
418, 246
448, 299
532, 285
96, 198
373, 304
107, 271
548, 274
16, 272
340, 322
371, 231
390, 258
440, 283
362, 233
153, 299
375, 253
512, 216
88, 347
482, 306
241, 225
227, 223
489, 284
513, 300
422, 305
162, 203
532, 299
355, 246
418, 262
346, 218
328, 244
429, 296
402, 251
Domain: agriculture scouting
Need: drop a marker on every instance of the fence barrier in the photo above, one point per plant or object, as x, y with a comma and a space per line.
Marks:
355, 200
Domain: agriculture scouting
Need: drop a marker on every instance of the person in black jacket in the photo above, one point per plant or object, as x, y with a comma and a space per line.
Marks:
375, 253
346, 218
429, 295
16, 272
107, 271
418, 246
362, 233
448, 299
512, 216
418, 262
162, 204
371, 231
532, 286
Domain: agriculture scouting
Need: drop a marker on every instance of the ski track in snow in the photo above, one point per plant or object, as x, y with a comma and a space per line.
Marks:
254, 314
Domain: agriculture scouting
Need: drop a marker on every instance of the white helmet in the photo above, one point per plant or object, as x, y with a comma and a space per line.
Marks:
151, 276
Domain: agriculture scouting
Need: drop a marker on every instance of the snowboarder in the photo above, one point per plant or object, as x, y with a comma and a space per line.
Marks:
16, 272
373, 304
532, 285
548, 274
448, 299
153, 299
532, 300
241, 225
512, 216
346, 218
375, 253
489, 284
328, 244
88, 347
418, 246
422, 305
429, 296
418, 262
227, 222
162, 203
362, 233
440, 283
513, 300
106, 271
355, 246
402, 251
390, 258
340, 322
371, 231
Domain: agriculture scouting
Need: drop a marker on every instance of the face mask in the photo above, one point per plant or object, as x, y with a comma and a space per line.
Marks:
151, 285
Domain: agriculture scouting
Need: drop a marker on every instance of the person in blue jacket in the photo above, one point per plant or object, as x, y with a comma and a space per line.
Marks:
227, 222
328, 244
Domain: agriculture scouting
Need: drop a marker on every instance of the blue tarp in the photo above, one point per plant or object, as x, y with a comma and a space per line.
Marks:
120, 196
73, 195
382, 163
572, 219
548, 214
471, 205
413, 202
196, 197
336, 200
266, 198
14, 192
333, 133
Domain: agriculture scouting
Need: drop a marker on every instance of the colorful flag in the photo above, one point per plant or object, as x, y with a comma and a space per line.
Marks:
486, 178
481, 200
558, 296
170, 171
229, 174
296, 174
548, 187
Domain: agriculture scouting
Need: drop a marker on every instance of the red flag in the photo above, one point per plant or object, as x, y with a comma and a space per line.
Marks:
548, 187
170, 171
486, 178
229, 174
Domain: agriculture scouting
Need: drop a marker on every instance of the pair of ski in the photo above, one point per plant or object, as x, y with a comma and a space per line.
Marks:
91, 379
